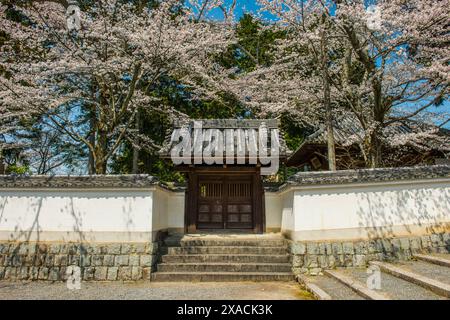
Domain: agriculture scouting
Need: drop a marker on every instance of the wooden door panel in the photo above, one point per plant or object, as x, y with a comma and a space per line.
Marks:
239, 211
225, 202
210, 203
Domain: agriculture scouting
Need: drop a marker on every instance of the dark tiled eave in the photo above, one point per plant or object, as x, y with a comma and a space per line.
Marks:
369, 175
83, 181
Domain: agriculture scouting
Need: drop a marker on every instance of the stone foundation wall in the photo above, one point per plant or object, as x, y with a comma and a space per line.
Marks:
312, 257
98, 262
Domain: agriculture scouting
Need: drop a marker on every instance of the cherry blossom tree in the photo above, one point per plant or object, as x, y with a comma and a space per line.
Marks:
299, 79
105, 68
404, 58
338, 56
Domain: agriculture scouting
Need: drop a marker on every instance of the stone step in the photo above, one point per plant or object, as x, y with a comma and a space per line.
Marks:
224, 242
329, 288
393, 287
225, 258
441, 260
425, 278
222, 276
225, 267
356, 285
227, 250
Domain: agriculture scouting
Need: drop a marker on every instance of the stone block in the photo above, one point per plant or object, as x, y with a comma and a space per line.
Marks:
100, 273
85, 260
134, 260
88, 273
426, 242
73, 249
328, 248
54, 249
74, 260
97, 260
139, 248
359, 260
405, 243
136, 273
42, 248
28, 260
53, 274
114, 248
297, 261
337, 248
348, 260
311, 261
4, 248
322, 249
151, 248
348, 248
124, 273
43, 273
39, 260
436, 240
112, 273
49, 260
34, 273
10, 273
108, 260
17, 260
22, 273
147, 260
146, 273
126, 248
331, 261
298, 248
312, 248
415, 244
372, 247
121, 260
387, 245
323, 261
361, 247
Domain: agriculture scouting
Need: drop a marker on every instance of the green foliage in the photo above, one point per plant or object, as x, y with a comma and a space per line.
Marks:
254, 45
17, 169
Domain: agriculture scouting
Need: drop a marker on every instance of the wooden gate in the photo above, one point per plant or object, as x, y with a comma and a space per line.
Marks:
224, 201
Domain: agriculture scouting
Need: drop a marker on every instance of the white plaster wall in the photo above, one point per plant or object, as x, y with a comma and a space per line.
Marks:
287, 213
175, 211
273, 209
61, 215
371, 210
159, 209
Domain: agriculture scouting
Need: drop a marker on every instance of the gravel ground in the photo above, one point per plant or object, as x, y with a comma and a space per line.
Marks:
154, 291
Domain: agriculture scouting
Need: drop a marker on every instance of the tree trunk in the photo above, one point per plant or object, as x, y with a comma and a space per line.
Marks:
135, 168
375, 149
327, 103
91, 165
2, 165
101, 152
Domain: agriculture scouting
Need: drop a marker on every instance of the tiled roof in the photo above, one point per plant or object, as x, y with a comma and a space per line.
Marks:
369, 175
347, 127
84, 181
300, 179
245, 126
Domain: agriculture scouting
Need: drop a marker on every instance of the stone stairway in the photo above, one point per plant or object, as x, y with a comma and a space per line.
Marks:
224, 258
427, 277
